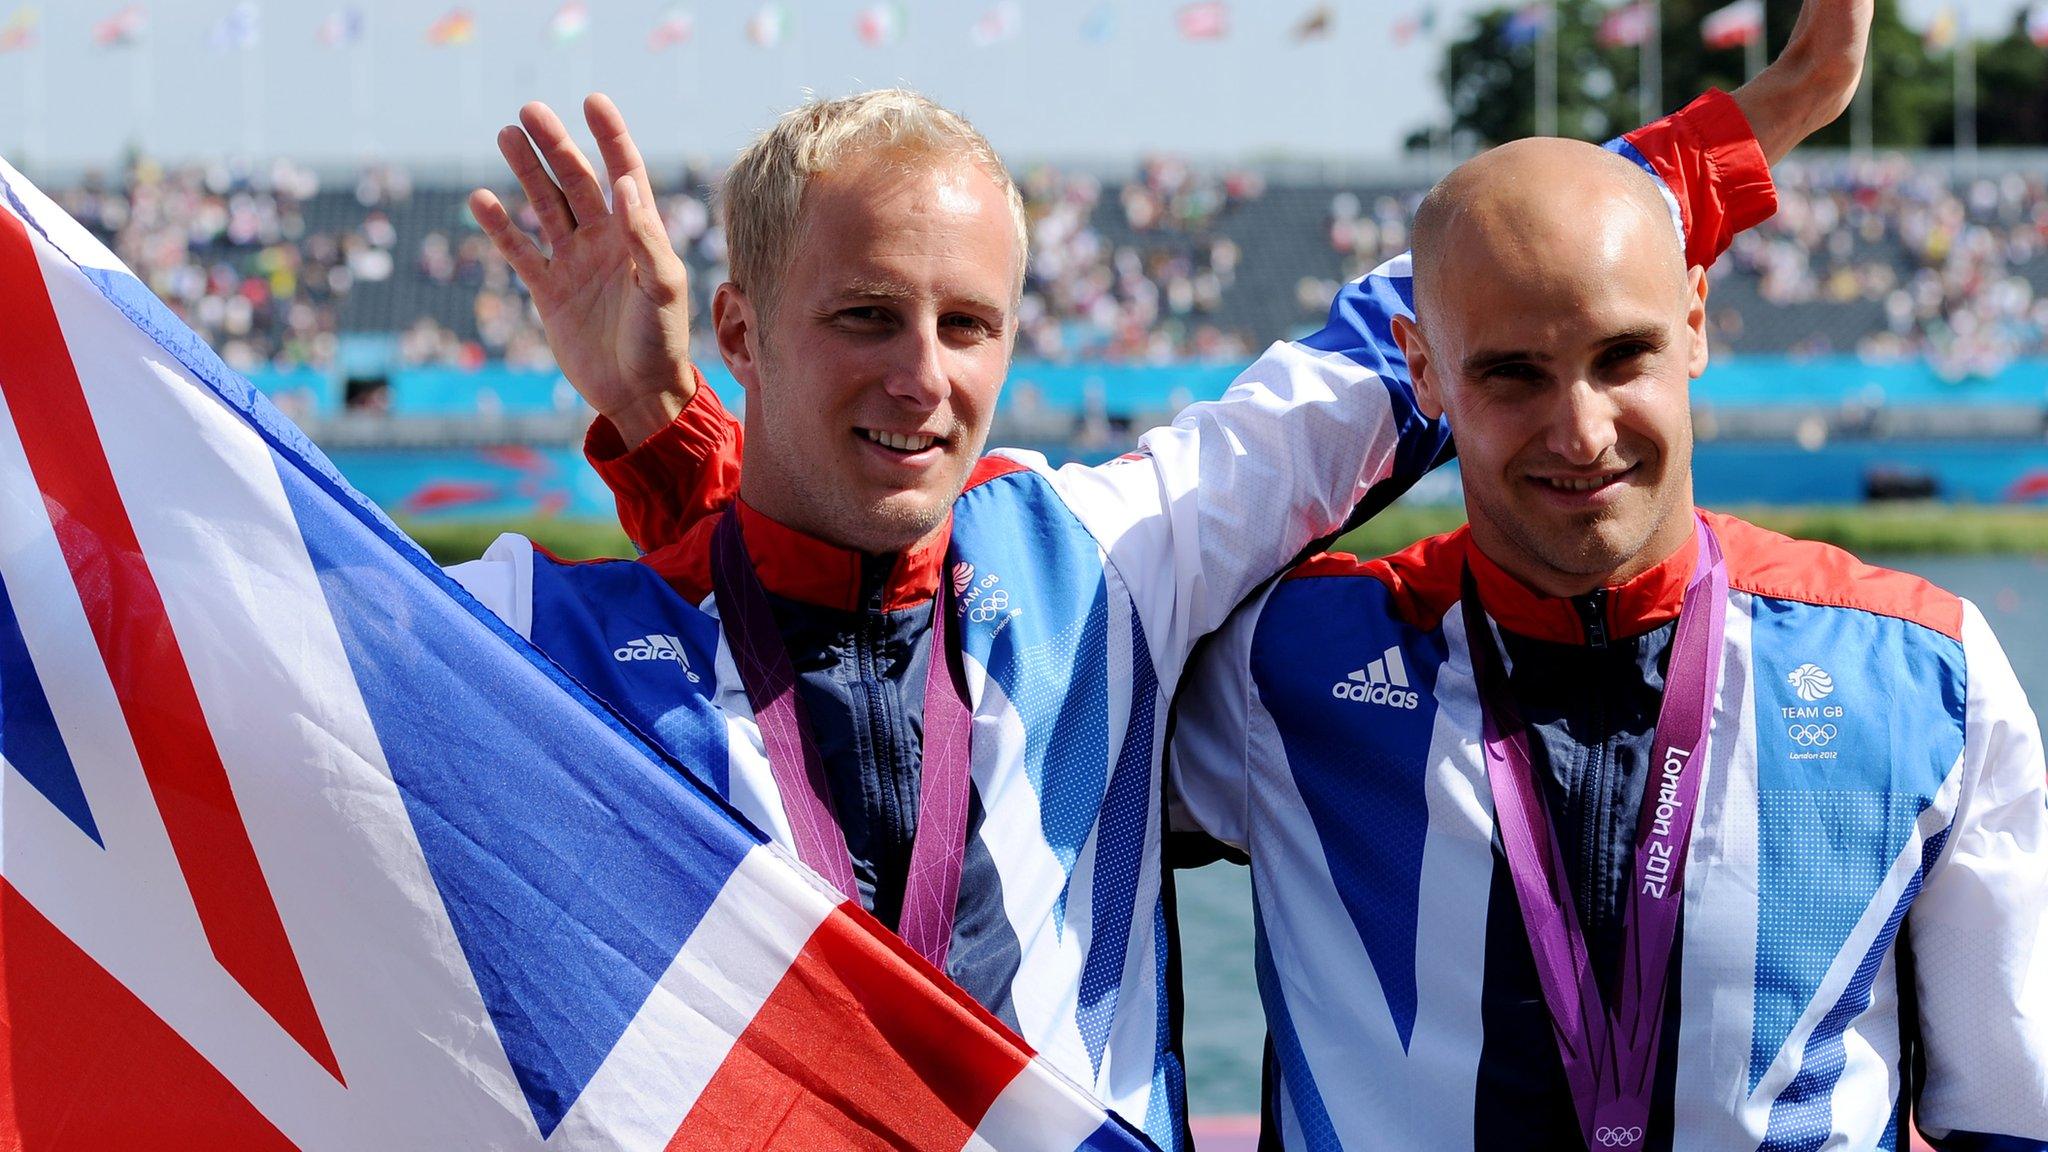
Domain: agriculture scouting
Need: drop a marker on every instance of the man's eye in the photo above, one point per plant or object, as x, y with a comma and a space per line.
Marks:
1514, 373
962, 322
1623, 353
865, 315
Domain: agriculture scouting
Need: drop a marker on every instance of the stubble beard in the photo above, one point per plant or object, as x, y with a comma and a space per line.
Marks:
1589, 548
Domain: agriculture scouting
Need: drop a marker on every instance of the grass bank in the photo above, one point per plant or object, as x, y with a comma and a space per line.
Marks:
1880, 530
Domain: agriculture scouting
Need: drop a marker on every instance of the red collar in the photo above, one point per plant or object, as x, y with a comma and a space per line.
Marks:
797, 566
1640, 605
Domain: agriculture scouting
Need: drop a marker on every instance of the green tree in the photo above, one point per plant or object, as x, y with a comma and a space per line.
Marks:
2012, 92
1490, 84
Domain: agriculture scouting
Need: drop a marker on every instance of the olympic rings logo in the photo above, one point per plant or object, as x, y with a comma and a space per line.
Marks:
1616, 1136
1812, 735
990, 606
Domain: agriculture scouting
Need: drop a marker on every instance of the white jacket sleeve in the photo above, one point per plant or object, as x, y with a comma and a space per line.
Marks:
1977, 931
1232, 490
1209, 771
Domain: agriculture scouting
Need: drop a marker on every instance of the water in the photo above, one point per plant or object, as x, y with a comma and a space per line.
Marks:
1223, 1028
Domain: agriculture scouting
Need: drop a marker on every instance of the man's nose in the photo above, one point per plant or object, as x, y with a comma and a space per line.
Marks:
918, 374
1582, 427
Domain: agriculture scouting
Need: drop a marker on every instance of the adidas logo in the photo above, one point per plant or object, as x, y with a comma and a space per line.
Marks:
1384, 681
655, 647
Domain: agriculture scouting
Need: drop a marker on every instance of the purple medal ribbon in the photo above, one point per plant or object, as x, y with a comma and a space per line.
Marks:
1610, 1059
932, 887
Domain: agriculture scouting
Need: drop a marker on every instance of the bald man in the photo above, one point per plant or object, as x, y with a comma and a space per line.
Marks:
1603, 821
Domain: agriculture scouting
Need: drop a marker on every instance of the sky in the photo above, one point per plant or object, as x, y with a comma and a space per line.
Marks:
1047, 92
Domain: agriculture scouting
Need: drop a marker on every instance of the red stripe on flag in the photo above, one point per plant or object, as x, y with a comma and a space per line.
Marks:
852, 1050
141, 652
85, 1065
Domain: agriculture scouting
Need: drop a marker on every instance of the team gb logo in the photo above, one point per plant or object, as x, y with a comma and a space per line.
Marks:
1811, 681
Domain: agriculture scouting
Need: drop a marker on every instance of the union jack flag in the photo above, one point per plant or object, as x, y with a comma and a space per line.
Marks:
305, 850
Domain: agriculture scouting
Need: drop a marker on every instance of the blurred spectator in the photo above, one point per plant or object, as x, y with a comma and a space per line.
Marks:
1884, 258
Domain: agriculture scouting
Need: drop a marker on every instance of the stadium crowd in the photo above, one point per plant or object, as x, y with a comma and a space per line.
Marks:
266, 264
273, 268
1956, 265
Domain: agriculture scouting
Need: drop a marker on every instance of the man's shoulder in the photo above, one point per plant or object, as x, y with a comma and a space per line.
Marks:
1769, 564
1420, 583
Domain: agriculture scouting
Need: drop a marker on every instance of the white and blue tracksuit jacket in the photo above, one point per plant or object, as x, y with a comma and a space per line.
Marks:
1083, 592
1869, 867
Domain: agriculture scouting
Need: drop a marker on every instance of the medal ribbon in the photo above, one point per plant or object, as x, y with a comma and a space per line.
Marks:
939, 848
1610, 1059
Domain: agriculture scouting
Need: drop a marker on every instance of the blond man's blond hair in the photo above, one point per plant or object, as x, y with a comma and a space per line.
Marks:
761, 198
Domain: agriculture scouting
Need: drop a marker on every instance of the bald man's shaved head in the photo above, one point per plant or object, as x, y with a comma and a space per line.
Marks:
1540, 199
1557, 328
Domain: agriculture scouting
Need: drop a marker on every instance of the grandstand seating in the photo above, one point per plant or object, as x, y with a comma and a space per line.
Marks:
1921, 277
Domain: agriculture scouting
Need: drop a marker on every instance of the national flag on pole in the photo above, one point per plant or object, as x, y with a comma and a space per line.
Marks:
1420, 22
453, 28
1100, 23
1000, 21
342, 27
122, 29
570, 22
1526, 25
765, 27
306, 850
879, 25
1734, 26
1315, 24
1941, 31
675, 27
2037, 25
19, 31
238, 31
1203, 20
1629, 25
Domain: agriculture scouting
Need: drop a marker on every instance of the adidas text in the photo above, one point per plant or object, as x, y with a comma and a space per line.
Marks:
1384, 681
655, 648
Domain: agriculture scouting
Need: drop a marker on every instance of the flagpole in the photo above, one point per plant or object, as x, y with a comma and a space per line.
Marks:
1650, 85
1860, 113
580, 62
140, 81
1450, 134
32, 137
1546, 72
252, 94
1753, 52
472, 99
1966, 92
359, 90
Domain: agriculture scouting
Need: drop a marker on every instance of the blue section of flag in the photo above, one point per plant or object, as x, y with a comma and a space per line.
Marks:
570, 895
1047, 647
1114, 1136
1360, 764
476, 741
1803, 1115
29, 739
1525, 25
1119, 857
1849, 754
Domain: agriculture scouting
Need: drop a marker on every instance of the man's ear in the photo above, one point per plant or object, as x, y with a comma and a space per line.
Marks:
738, 329
1696, 321
1421, 367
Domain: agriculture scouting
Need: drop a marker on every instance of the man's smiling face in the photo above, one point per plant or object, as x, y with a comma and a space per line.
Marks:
1558, 332
871, 386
